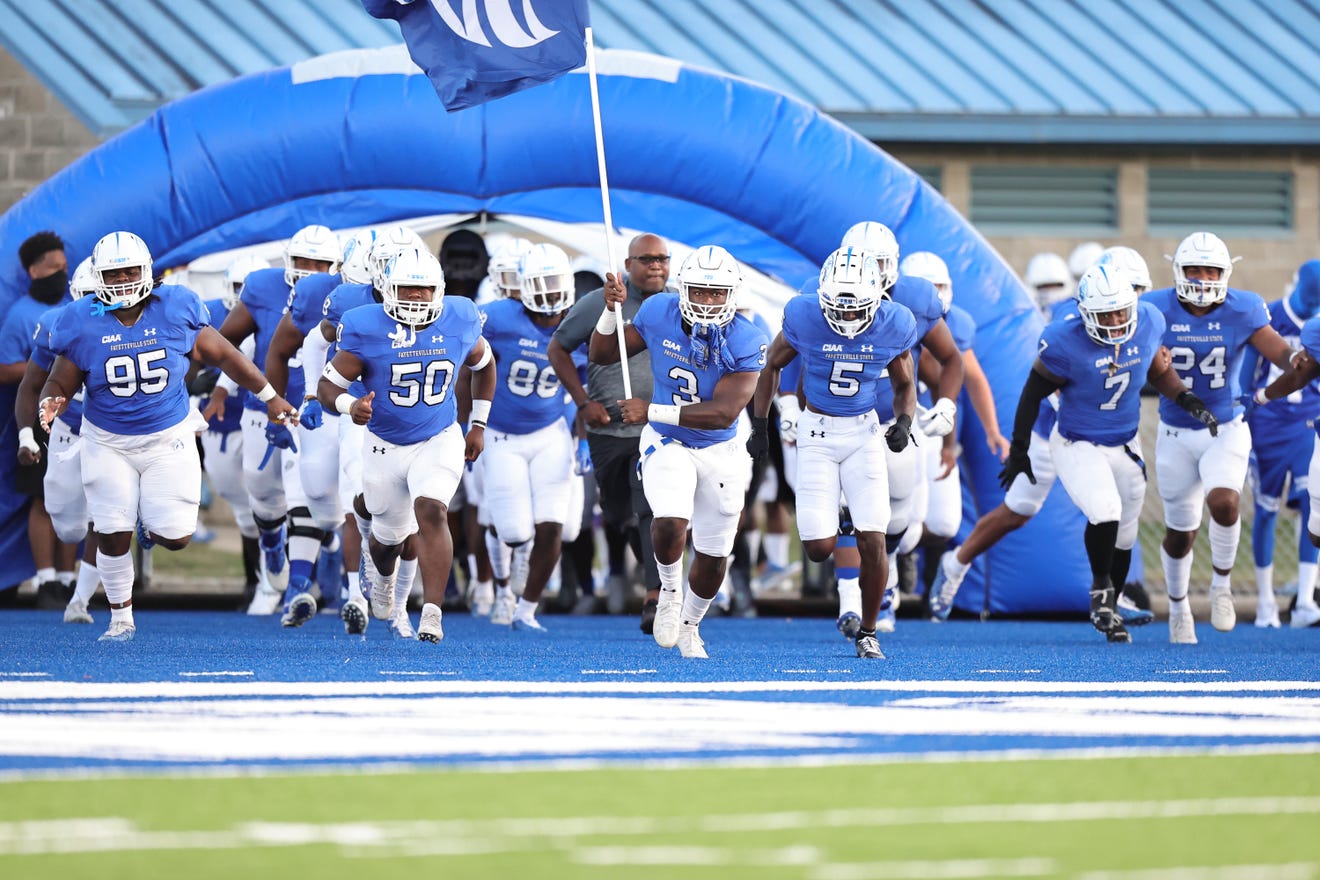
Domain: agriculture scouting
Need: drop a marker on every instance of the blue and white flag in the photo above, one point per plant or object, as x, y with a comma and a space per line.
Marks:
485, 49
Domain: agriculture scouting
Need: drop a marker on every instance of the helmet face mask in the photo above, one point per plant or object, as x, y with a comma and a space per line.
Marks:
83, 281
316, 244
924, 264
413, 268
850, 291
1107, 303
504, 268
235, 274
1049, 279
546, 280
878, 240
1198, 252
708, 271
116, 252
1129, 261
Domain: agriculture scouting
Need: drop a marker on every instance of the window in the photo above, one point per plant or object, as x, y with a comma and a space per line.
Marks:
1056, 200
1180, 201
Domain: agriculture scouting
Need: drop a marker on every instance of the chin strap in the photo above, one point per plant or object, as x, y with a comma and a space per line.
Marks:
99, 308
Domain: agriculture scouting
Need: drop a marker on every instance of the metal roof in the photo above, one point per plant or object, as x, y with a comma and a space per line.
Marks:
1007, 71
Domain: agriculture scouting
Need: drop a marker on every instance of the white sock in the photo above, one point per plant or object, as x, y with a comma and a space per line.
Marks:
1306, 572
501, 557
525, 610
671, 576
472, 566
776, 548
892, 583
694, 608
503, 593
1224, 546
1265, 584
88, 580
45, 574
65, 577
363, 524
1177, 574
355, 583
124, 615
850, 596
117, 576
955, 565
304, 549
403, 585
753, 538
1218, 581
483, 588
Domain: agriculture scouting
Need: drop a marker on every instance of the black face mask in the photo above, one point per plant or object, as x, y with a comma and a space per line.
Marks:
51, 289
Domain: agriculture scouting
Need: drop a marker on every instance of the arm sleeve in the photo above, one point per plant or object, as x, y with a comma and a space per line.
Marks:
314, 349
1038, 388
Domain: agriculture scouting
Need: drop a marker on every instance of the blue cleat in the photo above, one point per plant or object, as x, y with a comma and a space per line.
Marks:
144, 537
299, 606
331, 580
849, 625
1131, 615
888, 617
274, 552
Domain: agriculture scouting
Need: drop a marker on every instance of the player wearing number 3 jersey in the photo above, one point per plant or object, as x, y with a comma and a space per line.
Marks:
1209, 327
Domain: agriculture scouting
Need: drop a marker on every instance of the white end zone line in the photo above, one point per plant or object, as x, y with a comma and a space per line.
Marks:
224, 673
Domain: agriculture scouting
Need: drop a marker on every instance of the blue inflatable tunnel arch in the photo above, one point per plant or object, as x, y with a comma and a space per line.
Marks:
360, 137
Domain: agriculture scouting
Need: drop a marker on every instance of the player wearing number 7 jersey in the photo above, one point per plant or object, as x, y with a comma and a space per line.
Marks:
131, 346
407, 351
1209, 327
1098, 365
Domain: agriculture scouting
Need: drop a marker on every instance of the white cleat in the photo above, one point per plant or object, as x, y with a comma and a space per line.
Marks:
382, 595
266, 600
401, 626
1267, 614
119, 631
431, 629
76, 612
1223, 616
501, 612
690, 643
1304, 616
482, 600
667, 615
354, 615
1182, 626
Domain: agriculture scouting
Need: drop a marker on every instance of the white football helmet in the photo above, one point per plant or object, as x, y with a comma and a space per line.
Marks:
1083, 257
503, 267
356, 265
311, 243
714, 268
1049, 279
388, 243
413, 267
84, 280
546, 280
850, 291
1107, 290
878, 240
1202, 249
1130, 262
122, 250
236, 273
924, 264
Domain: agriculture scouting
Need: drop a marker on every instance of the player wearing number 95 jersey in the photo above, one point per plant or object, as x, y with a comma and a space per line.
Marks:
1098, 365
705, 359
407, 351
130, 346
1209, 327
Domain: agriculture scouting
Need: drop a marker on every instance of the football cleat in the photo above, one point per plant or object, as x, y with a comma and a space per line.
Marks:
119, 631
431, 629
299, 606
382, 594
501, 613
1304, 616
886, 620
76, 612
355, 617
1182, 626
849, 624
527, 624
481, 599
945, 588
401, 626
649, 609
1105, 617
1223, 616
868, 648
1130, 615
667, 614
690, 644
265, 600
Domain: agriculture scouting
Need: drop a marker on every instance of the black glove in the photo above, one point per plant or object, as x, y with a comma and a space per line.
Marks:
1018, 462
203, 382
899, 433
758, 443
1195, 408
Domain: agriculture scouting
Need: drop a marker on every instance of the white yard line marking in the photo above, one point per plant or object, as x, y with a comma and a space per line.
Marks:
224, 673
1193, 672
24, 675
617, 672
414, 672
694, 855
1009, 671
1284, 871
949, 869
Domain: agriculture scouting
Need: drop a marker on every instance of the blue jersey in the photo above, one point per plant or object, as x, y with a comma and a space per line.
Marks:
231, 417
44, 357
1100, 401
839, 374
411, 373
1207, 350
962, 326
923, 300
19, 326
1063, 308
339, 302
1299, 407
677, 380
528, 395
134, 376
267, 297
310, 296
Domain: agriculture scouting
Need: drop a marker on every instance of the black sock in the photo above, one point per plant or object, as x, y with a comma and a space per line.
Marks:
1119, 572
1100, 541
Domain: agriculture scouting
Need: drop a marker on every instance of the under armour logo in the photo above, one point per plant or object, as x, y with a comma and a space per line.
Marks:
1213, 325
868, 348
380, 450
150, 331
506, 28
818, 433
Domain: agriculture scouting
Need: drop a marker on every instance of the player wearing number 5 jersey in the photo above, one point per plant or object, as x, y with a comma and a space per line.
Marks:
1098, 365
407, 352
850, 337
130, 347
528, 461
705, 359
1209, 326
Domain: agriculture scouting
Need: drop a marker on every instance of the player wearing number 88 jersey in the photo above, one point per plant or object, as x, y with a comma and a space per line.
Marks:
1209, 327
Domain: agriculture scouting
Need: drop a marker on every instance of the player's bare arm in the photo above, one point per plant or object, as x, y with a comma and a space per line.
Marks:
332, 390
780, 355
214, 350
731, 395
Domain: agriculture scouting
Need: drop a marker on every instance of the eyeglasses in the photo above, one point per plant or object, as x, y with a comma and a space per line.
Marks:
651, 259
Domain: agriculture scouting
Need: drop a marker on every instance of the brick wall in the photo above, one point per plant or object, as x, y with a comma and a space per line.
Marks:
38, 134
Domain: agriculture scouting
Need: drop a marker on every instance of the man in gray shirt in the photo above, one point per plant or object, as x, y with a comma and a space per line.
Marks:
614, 450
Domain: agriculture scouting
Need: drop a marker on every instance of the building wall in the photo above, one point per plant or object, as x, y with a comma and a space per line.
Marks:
1269, 258
38, 134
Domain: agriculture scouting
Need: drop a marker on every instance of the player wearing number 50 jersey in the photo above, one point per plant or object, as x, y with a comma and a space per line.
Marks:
1209, 326
408, 351
1098, 365
850, 337
705, 358
130, 346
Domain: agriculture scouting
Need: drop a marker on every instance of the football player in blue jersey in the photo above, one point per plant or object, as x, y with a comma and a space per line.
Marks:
66, 501
1209, 326
905, 472
1050, 283
130, 348
1094, 444
270, 452
705, 358
850, 337
407, 351
1282, 440
529, 455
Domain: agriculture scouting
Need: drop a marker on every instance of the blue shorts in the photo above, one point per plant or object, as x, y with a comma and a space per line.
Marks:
1278, 451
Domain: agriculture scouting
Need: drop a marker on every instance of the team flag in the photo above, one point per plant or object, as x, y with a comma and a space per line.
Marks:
478, 50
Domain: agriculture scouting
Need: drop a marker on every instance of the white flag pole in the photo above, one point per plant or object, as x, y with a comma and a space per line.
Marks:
605, 204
